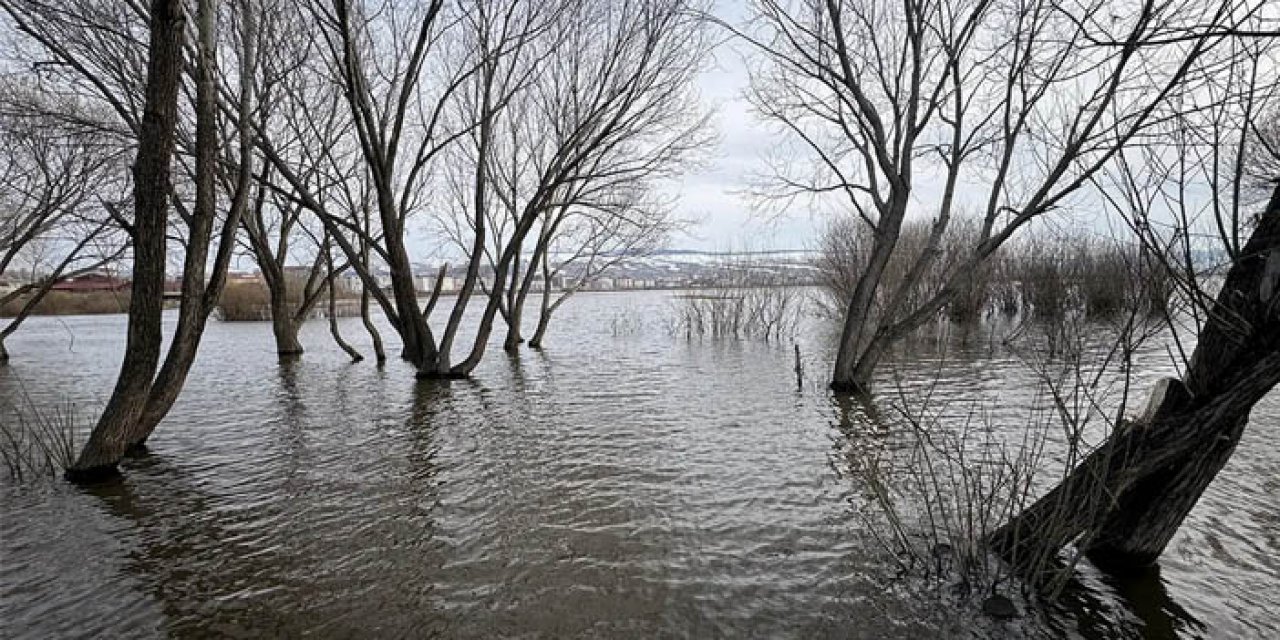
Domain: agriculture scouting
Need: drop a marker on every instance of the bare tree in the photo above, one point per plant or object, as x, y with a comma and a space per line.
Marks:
423, 81
1187, 194
56, 186
271, 227
98, 49
395, 79
152, 185
578, 246
275, 223
578, 152
915, 108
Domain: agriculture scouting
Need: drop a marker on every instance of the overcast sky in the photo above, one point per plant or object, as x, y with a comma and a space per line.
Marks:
712, 196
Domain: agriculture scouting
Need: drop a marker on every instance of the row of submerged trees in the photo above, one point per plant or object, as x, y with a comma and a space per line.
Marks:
530, 134
522, 129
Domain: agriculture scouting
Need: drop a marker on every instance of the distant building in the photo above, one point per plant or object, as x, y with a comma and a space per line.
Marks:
557, 283
242, 277
349, 282
91, 282
427, 284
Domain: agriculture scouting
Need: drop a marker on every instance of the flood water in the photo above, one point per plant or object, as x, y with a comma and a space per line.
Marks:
625, 482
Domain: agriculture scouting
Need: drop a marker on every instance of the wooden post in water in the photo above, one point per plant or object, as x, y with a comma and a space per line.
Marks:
799, 368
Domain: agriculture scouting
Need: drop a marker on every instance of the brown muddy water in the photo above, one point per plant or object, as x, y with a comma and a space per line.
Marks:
625, 482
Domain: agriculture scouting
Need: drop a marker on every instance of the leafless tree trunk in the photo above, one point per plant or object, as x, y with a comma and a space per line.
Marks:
200, 294
145, 395
1129, 497
117, 430
1126, 501
333, 309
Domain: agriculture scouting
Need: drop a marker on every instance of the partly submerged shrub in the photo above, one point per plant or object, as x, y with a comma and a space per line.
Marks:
36, 441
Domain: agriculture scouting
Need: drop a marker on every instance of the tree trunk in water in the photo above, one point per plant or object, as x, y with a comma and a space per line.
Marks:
116, 428
193, 314
1241, 330
169, 382
545, 308
284, 327
378, 351
337, 335
4, 352
333, 312
859, 320
1145, 518
1153, 472
540, 333
419, 344
1082, 503
513, 339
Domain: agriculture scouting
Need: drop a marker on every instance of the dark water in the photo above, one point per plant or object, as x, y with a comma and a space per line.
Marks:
623, 483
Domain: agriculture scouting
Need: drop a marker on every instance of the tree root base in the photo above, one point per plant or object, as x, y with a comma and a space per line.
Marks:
92, 475
442, 375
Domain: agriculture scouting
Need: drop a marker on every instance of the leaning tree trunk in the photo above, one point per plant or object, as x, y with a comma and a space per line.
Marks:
540, 333
379, 351
1243, 328
116, 427
854, 364
198, 296
333, 311
1130, 496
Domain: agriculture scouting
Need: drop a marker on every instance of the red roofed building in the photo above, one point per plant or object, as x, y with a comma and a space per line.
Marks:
92, 282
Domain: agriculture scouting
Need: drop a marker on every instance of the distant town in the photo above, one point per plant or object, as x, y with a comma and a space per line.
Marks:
667, 269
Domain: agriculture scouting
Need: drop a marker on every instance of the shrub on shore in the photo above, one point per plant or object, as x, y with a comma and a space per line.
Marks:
68, 303
244, 301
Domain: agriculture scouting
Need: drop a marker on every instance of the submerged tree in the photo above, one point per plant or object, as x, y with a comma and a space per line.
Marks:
916, 108
430, 89
98, 45
57, 187
152, 186
277, 227
578, 151
1186, 194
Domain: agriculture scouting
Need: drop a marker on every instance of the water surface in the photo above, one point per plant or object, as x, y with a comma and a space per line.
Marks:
622, 483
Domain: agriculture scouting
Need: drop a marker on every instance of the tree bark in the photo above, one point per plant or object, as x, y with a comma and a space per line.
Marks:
379, 351
116, 428
283, 325
333, 310
853, 366
514, 316
198, 296
1241, 330
285, 329
540, 333
1129, 498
